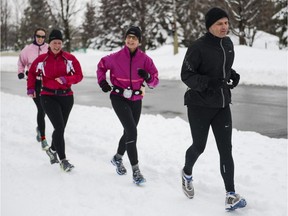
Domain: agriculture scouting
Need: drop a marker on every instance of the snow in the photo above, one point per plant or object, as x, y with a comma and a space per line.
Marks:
257, 65
31, 186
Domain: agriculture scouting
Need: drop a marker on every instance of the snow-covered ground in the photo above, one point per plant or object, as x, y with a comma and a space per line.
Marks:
256, 65
30, 186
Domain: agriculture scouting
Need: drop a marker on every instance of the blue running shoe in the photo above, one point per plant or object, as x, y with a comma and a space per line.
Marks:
138, 178
120, 169
187, 185
234, 201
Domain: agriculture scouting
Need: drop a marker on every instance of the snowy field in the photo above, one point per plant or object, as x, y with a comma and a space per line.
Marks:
30, 186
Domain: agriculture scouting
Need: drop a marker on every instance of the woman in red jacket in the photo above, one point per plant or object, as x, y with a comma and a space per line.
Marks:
59, 70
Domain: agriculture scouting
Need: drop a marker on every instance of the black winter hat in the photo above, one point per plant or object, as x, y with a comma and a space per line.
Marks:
213, 15
55, 35
134, 30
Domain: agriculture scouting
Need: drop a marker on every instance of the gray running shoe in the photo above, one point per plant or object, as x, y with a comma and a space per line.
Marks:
44, 145
138, 178
187, 185
234, 201
38, 136
52, 155
66, 166
120, 169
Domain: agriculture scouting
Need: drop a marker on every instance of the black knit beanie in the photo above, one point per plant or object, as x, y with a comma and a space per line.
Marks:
134, 30
55, 35
213, 15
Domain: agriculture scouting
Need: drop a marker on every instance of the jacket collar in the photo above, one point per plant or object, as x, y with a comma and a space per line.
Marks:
212, 37
127, 51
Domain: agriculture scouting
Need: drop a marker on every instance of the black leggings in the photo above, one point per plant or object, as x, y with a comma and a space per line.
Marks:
58, 109
40, 110
200, 119
128, 113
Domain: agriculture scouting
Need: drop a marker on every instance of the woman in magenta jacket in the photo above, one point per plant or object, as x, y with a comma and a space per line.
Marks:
26, 57
59, 70
129, 69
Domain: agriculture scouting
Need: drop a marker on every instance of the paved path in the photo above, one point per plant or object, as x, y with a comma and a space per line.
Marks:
254, 108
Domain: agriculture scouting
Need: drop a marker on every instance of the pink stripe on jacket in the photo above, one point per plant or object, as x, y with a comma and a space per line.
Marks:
29, 54
124, 70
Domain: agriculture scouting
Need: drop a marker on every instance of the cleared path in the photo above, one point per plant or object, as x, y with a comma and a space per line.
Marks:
254, 108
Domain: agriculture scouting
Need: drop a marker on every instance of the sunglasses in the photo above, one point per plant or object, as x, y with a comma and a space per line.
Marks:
130, 36
40, 36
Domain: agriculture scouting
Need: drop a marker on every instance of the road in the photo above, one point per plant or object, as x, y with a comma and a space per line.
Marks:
260, 109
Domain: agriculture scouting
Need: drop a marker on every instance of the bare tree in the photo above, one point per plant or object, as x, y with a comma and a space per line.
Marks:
67, 11
5, 12
244, 14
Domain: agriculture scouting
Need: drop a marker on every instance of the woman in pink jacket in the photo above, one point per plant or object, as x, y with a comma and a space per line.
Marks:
58, 70
26, 57
129, 69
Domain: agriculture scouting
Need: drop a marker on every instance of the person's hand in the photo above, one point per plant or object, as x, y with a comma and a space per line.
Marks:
61, 80
235, 77
31, 93
144, 74
21, 75
105, 86
215, 83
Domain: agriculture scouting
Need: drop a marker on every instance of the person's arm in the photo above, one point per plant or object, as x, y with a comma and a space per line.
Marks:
22, 63
74, 75
102, 68
189, 73
149, 73
32, 79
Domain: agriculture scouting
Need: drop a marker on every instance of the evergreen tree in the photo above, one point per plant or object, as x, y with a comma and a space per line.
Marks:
89, 26
114, 18
281, 23
190, 16
37, 14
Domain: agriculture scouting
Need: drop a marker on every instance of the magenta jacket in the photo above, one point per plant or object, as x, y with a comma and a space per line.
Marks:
124, 70
29, 54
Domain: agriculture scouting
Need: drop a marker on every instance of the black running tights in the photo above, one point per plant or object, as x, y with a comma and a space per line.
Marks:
128, 113
200, 119
40, 110
58, 109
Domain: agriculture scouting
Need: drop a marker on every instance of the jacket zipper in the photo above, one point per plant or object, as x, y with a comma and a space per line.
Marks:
131, 72
224, 74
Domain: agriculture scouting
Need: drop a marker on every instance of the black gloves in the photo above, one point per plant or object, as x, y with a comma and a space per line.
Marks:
235, 77
144, 74
105, 86
215, 83
21, 75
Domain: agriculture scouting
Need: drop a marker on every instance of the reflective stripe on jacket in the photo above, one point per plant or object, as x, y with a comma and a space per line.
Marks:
50, 67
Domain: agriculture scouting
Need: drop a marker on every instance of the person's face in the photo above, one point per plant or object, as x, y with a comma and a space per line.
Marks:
56, 46
220, 28
40, 37
132, 42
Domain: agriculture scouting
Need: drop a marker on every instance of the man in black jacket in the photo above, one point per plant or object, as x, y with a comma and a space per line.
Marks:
207, 71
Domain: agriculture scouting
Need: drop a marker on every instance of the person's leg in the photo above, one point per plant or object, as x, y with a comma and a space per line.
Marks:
40, 110
199, 120
66, 103
222, 129
54, 111
126, 114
